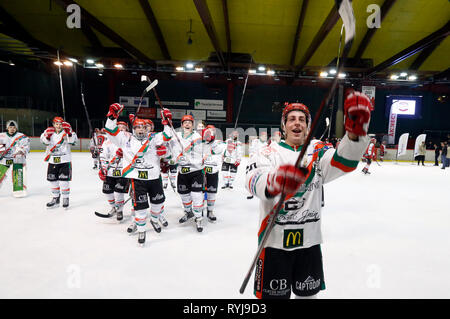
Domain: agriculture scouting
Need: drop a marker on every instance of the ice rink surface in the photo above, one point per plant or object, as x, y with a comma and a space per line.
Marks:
386, 235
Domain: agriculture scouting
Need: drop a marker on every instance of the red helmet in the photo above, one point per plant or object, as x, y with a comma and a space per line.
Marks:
210, 126
295, 107
138, 121
148, 122
123, 123
187, 118
58, 119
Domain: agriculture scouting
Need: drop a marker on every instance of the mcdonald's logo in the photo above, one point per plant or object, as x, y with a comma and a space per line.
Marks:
143, 174
293, 238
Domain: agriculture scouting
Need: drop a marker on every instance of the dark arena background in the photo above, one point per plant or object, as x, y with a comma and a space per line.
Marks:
232, 64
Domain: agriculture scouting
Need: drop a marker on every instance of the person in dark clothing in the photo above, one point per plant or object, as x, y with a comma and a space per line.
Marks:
444, 154
437, 152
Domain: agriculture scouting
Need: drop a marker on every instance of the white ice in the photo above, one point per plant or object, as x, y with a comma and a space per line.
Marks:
386, 235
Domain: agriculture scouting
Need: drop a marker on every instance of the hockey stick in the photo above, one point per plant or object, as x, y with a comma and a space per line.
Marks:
146, 90
346, 12
243, 90
327, 120
110, 215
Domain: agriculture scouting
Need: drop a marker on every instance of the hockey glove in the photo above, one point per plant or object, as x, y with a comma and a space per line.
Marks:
166, 115
207, 135
237, 163
49, 132
357, 107
286, 179
102, 174
131, 117
161, 150
114, 110
67, 128
119, 153
164, 166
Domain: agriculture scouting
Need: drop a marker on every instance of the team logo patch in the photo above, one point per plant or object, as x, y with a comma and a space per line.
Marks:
208, 169
185, 170
57, 160
9, 162
143, 174
293, 238
117, 173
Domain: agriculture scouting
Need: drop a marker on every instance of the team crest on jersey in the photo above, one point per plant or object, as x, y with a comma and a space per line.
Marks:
143, 174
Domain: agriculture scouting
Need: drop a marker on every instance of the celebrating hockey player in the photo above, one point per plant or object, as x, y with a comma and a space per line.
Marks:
276, 136
59, 138
141, 163
114, 185
93, 147
212, 152
292, 253
231, 159
369, 155
189, 158
14, 147
256, 145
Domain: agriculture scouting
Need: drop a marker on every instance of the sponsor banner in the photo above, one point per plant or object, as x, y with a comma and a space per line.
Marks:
216, 115
177, 114
391, 127
421, 138
197, 114
208, 104
133, 101
147, 112
402, 143
370, 92
172, 103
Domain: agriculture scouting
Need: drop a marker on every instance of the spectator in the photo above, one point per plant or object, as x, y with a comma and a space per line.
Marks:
422, 152
444, 155
437, 151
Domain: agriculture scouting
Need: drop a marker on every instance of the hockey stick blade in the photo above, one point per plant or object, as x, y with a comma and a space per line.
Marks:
151, 86
103, 215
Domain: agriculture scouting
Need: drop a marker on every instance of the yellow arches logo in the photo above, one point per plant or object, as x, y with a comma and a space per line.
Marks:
293, 238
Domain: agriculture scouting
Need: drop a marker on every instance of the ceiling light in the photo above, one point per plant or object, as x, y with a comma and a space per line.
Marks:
412, 77
252, 71
11, 63
342, 75
199, 69
58, 63
99, 65
90, 61
394, 77
73, 60
189, 65
261, 68
276, 79
206, 76
179, 68
118, 66
68, 63
323, 74
333, 71
240, 78
403, 74
270, 72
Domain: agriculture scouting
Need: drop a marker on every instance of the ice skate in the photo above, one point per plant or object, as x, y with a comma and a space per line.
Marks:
250, 197
132, 228
187, 215
230, 186
165, 186
53, 203
155, 224
66, 202
141, 238
199, 224
119, 215
163, 220
211, 216
225, 186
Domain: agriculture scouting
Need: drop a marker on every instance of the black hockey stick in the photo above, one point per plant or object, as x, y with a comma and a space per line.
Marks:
346, 12
110, 215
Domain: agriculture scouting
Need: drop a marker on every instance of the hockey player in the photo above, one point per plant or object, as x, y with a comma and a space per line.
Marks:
114, 185
59, 138
231, 159
291, 258
94, 148
141, 163
256, 145
212, 152
14, 147
369, 155
383, 150
276, 136
189, 157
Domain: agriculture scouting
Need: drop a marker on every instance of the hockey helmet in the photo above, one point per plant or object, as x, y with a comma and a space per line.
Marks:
123, 123
289, 107
187, 118
12, 123
58, 119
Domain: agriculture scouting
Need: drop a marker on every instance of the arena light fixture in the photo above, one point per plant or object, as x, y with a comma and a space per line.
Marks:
333, 71
118, 66
342, 75
323, 74
90, 61
179, 68
189, 65
261, 68
59, 63
199, 69
394, 77
99, 65
404, 74
73, 60
68, 63
252, 71
412, 77
270, 72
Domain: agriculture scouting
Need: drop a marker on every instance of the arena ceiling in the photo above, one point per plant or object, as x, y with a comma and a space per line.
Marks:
291, 37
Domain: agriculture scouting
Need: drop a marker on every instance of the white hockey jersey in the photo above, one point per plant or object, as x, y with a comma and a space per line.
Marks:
255, 146
140, 160
233, 151
109, 159
59, 147
298, 224
213, 155
11, 145
190, 159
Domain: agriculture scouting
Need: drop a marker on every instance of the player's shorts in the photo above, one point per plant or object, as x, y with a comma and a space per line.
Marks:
143, 189
212, 181
278, 272
229, 167
173, 168
116, 184
59, 172
190, 182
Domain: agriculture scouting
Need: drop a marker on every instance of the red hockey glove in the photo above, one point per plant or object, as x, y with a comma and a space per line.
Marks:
49, 132
119, 153
357, 107
207, 135
67, 128
237, 163
161, 150
166, 115
131, 117
286, 179
164, 166
102, 174
115, 110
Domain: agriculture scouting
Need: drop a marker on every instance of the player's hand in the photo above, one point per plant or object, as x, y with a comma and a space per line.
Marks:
207, 135
286, 179
119, 153
102, 174
166, 115
164, 166
357, 108
115, 110
161, 150
67, 128
237, 163
49, 132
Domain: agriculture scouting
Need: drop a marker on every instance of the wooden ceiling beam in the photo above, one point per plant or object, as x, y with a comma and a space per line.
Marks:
420, 45
155, 27
205, 15
387, 5
227, 25
301, 19
327, 25
424, 55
